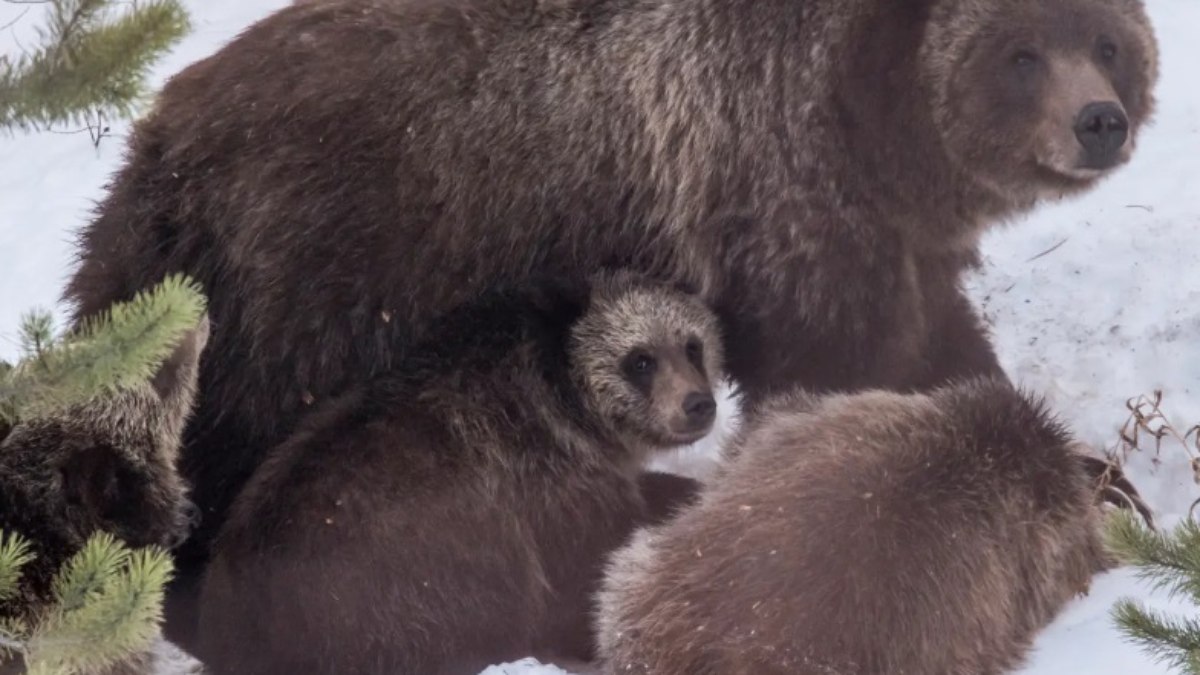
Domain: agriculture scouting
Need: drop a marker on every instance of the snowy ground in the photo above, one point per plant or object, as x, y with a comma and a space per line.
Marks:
1092, 301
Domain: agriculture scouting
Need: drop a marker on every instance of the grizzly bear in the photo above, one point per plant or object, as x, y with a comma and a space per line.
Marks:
107, 465
456, 511
865, 534
345, 171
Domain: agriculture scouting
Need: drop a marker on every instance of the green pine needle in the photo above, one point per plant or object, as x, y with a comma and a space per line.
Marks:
14, 554
1169, 561
12, 638
108, 607
86, 574
1175, 642
123, 347
37, 332
120, 613
88, 63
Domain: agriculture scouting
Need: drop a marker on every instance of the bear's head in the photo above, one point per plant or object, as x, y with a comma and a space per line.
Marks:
106, 465
1039, 99
647, 357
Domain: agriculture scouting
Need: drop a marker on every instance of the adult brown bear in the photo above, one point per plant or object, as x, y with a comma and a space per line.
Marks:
345, 170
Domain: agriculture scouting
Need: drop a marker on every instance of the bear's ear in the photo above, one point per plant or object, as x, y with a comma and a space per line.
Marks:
91, 480
175, 381
560, 295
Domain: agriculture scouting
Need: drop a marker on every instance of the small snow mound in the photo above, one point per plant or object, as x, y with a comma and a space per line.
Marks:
528, 666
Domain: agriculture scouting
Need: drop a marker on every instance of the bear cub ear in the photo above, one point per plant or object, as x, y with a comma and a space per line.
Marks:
565, 297
175, 379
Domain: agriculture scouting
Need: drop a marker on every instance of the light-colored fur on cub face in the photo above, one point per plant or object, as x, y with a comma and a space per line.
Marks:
108, 465
864, 534
674, 338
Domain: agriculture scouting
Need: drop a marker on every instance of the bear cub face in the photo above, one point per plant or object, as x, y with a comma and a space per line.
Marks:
645, 357
107, 465
1041, 99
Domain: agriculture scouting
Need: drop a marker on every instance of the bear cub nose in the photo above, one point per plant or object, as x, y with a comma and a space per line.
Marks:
700, 409
1101, 129
187, 519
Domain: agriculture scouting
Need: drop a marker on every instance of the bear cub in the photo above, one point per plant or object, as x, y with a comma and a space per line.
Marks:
866, 534
455, 511
108, 465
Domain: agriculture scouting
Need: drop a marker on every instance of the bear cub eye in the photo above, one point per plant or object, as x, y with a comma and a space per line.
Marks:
639, 365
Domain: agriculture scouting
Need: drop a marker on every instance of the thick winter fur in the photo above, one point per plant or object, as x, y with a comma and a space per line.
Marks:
106, 465
871, 534
455, 513
347, 170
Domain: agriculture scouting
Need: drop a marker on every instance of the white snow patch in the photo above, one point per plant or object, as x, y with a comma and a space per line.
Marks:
528, 666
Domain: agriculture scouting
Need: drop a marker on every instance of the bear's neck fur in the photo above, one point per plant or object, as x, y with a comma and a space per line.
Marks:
872, 100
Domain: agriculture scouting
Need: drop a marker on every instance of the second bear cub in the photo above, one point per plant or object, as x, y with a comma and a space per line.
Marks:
455, 512
876, 533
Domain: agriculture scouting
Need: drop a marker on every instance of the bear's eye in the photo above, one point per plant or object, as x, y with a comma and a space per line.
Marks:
639, 365
1108, 50
1024, 59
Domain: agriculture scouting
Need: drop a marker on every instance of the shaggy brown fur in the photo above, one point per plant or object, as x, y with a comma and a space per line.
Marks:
872, 534
456, 512
347, 170
107, 465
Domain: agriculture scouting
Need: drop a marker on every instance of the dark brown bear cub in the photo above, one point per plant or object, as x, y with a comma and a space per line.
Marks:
105, 466
874, 534
456, 511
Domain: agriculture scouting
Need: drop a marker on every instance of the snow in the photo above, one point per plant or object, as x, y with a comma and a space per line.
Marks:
1092, 301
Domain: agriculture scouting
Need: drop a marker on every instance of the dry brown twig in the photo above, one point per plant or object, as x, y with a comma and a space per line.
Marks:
1146, 418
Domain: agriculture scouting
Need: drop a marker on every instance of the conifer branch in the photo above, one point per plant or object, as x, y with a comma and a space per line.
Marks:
120, 348
107, 607
1175, 642
88, 62
1168, 561
14, 554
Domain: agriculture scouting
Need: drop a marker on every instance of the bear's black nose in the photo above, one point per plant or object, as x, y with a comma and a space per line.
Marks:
191, 513
187, 519
1101, 129
700, 409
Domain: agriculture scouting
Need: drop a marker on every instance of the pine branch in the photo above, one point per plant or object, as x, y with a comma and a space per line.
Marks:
37, 332
1174, 642
14, 554
67, 19
123, 347
87, 64
88, 571
110, 608
1167, 561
